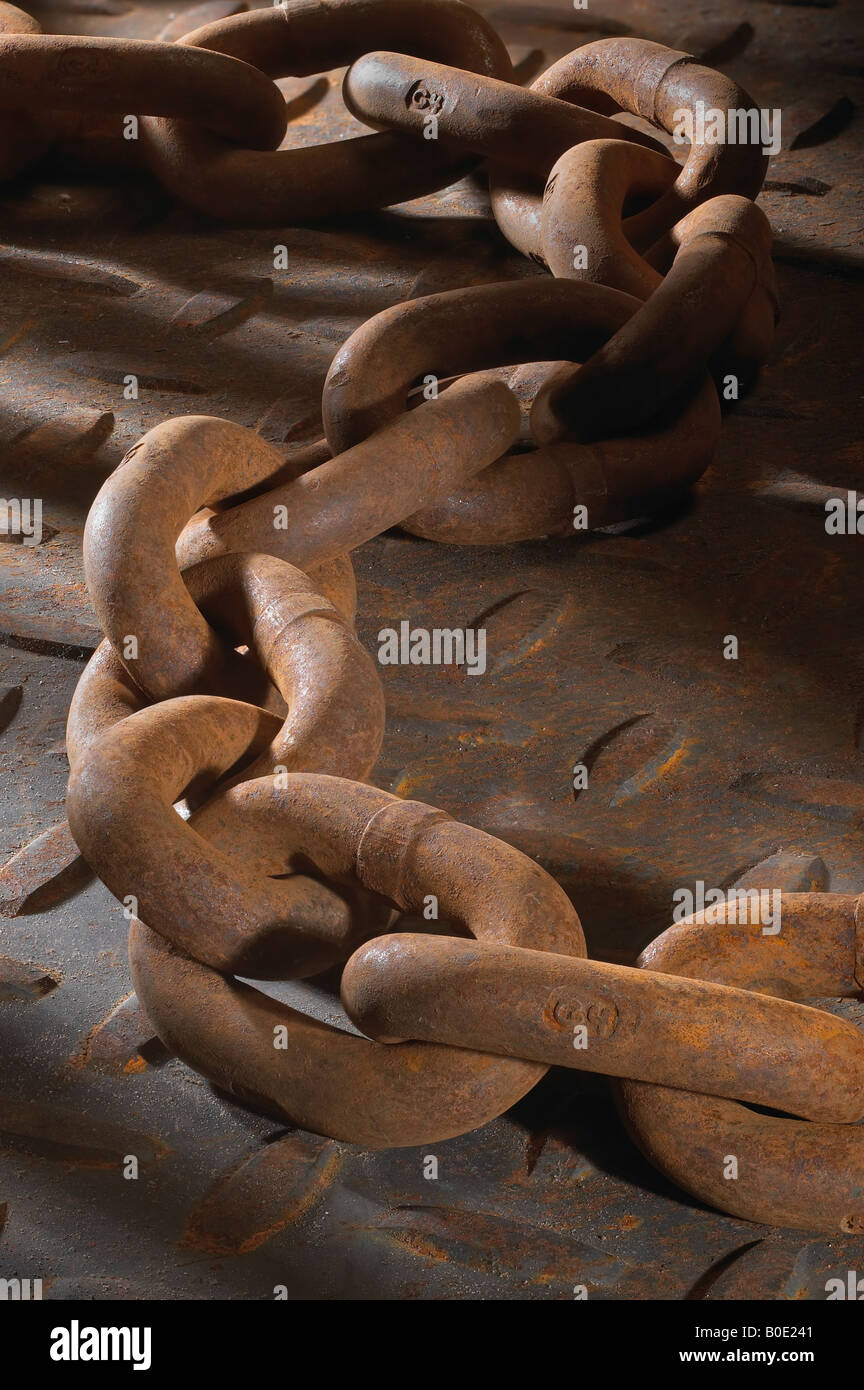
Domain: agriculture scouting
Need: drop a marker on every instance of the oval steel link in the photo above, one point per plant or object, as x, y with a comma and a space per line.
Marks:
653, 82
305, 657
788, 1172
62, 72
221, 905
105, 693
529, 494
132, 530
459, 331
325, 1079
594, 1016
536, 493
483, 115
299, 39
361, 492
582, 209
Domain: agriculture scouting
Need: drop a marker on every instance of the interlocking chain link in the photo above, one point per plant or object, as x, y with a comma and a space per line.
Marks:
231, 677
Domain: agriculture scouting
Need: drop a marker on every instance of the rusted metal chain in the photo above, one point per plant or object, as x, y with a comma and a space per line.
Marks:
52, 72
655, 83
528, 495
231, 677
365, 489
763, 1168
322, 1078
716, 292
593, 1016
582, 208
222, 906
133, 526
536, 493
304, 657
718, 304
298, 39
479, 114
459, 331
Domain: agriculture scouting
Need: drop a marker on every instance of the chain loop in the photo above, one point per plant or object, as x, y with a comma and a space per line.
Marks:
657, 84
327, 1080
788, 1173
533, 494
66, 72
299, 39
657, 1028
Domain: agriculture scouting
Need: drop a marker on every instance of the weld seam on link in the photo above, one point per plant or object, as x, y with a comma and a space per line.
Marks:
388, 838
682, 60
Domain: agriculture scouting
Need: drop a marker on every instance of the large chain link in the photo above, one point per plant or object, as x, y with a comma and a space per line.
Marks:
231, 677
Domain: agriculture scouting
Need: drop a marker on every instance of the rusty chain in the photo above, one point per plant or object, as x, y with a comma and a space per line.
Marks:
231, 678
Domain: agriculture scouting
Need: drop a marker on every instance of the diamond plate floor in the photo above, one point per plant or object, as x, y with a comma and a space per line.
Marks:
607, 648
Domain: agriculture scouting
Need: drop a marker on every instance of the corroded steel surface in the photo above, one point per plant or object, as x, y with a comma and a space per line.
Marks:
655, 1028
368, 172
335, 1084
578, 462
605, 652
647, 80
810, 1176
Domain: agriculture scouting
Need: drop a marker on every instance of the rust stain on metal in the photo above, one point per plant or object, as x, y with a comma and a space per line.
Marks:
477, 1240
270, 1191
22, 980
118, 1044
34, 867
65, 1136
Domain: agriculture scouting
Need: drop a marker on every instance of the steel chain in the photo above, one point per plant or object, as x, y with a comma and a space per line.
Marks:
246, 692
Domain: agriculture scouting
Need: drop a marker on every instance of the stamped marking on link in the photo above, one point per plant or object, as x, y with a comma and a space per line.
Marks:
422, 98
565, 1014
73, 64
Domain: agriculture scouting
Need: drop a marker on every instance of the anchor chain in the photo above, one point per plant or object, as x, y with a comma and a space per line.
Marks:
231, 678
